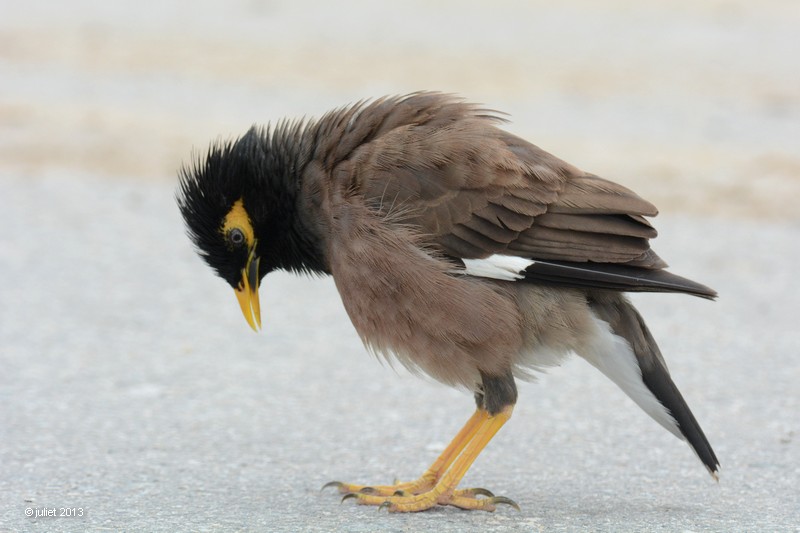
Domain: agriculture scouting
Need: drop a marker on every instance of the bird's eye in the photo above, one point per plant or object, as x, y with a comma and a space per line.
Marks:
236, 237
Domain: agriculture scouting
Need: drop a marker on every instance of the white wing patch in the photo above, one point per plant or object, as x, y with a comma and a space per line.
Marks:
497, 266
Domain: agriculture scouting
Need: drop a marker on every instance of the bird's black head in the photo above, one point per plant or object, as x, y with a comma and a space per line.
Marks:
237, 203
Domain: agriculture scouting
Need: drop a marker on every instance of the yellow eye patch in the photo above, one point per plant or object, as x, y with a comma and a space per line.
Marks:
238, 218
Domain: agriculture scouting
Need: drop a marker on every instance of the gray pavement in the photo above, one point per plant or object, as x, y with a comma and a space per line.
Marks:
133, 389
133, 392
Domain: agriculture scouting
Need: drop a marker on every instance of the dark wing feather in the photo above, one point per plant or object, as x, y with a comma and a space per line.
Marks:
476, 190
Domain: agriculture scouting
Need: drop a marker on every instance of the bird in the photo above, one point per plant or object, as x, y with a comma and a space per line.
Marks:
458, 249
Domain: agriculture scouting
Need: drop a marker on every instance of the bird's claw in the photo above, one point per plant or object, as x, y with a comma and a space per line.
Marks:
348, 496
329, 484
502, 499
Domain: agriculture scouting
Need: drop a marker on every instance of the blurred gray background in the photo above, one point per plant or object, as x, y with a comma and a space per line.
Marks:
133, 390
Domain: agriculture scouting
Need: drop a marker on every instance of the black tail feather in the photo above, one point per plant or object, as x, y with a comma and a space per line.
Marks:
613, 277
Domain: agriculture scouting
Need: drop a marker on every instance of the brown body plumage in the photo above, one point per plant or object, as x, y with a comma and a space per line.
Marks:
465, 252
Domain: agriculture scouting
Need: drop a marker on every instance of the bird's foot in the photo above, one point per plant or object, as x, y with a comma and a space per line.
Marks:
437, 486
404, 502
403, 488
425, 483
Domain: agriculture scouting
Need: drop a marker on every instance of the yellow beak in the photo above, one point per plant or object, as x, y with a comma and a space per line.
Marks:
247, 293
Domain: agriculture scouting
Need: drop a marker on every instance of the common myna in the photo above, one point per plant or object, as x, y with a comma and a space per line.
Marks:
460, 250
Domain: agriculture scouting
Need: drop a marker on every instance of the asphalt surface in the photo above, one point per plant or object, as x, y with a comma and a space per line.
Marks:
132, 392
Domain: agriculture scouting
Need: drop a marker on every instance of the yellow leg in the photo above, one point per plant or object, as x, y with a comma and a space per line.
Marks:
444, 491
432, 474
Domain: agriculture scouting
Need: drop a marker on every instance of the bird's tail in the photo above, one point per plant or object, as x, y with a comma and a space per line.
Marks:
626, 323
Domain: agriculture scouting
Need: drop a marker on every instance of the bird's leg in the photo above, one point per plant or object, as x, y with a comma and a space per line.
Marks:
429, 478
444, 491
